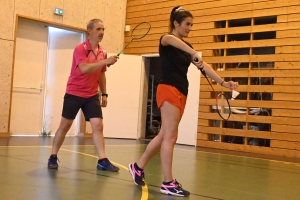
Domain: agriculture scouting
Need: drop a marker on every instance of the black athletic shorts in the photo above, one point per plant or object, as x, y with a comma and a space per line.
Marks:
90, 107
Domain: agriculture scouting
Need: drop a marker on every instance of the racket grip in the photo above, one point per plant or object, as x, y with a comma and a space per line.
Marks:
202, 71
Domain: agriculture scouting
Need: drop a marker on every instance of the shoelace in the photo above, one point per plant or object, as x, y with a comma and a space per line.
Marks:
109, 164
54, 159
143, 175
178, 185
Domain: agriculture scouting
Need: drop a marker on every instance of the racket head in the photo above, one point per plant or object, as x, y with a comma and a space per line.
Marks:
223, 106
141, 30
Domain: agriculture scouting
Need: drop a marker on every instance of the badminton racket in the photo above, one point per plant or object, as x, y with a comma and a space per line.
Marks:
222, 103
138, 32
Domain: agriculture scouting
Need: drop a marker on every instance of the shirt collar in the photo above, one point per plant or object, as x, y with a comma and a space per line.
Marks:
87, 46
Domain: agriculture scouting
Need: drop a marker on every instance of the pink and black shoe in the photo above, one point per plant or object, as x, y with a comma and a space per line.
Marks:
137, 174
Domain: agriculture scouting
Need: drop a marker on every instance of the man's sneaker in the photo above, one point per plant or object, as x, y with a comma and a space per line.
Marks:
137, 175
174, 188
105, 164
52, 162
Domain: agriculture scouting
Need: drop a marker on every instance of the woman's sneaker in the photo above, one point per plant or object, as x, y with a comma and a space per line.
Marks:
174, 188
137, 174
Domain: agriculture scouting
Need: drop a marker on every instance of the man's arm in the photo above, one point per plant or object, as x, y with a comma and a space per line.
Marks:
102, 87
87, 68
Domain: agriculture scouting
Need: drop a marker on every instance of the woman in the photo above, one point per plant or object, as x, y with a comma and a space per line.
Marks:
176, 55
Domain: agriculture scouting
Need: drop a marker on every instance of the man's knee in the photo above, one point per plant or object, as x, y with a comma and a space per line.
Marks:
65, 124
97, 124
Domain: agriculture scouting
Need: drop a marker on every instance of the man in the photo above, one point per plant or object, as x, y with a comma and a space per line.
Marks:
87, 74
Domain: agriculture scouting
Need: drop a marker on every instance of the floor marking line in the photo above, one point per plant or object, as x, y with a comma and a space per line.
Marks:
144, 188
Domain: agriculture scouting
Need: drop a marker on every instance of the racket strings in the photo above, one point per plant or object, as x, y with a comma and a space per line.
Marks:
222, 103
141, 30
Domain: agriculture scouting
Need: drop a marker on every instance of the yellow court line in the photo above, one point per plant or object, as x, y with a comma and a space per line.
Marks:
144, 192
144, 188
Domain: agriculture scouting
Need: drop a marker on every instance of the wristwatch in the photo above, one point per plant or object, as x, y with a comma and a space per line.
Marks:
104, 94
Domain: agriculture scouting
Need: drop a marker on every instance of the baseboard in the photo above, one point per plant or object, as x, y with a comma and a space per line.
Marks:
4, 134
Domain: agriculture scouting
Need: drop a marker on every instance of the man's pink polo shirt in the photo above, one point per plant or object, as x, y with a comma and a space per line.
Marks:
85, 85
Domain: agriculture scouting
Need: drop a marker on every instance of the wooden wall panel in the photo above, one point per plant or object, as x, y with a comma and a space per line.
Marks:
6, 54
7, 15
47, 8
277, 61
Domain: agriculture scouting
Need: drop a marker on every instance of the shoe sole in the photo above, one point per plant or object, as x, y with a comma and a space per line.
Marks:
55, 167
171, 193
131, 172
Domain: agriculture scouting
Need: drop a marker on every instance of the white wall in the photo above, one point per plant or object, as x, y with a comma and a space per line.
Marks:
120, 117
123, 115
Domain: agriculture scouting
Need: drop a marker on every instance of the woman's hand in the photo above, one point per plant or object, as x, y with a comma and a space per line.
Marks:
197, 60
230, 84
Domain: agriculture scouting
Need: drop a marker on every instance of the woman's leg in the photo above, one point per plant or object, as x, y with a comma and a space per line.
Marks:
171, 118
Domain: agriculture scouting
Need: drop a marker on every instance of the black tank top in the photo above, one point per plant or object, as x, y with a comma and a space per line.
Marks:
175, 64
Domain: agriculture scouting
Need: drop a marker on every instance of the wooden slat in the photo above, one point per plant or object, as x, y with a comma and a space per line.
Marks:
205, 95
207, 42
285, 145
257, 88
252, 118
285, 128
203, 122
287, 65
286, 97
204, 109
285, 112
287, 81
287, 136
261, 73
255, 104
192, 4
202, 136
248, 148
235, 30
287, 33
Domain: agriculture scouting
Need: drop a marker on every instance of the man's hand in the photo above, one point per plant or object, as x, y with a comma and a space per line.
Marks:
103, 101
112, 60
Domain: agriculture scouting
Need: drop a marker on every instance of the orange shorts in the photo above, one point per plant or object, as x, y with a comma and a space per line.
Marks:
172, 95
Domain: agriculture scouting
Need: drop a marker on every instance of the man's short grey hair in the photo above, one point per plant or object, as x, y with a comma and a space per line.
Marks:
90, 24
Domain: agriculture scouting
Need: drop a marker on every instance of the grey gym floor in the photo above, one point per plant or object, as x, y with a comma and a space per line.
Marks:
207, 175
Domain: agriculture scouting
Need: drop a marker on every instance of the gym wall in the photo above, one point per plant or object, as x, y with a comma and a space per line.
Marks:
76, 14
254, 42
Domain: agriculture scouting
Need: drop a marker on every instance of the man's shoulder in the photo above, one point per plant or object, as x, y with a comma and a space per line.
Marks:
81, 46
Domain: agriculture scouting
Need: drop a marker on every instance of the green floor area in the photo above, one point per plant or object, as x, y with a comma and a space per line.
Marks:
208, 176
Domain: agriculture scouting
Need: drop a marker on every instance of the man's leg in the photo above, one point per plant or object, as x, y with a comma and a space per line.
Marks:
98, 138
60, 134
59, 138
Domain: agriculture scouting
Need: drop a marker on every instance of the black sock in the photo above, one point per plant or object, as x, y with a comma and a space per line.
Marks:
53, 156
167, 183
137, 167
100, 160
